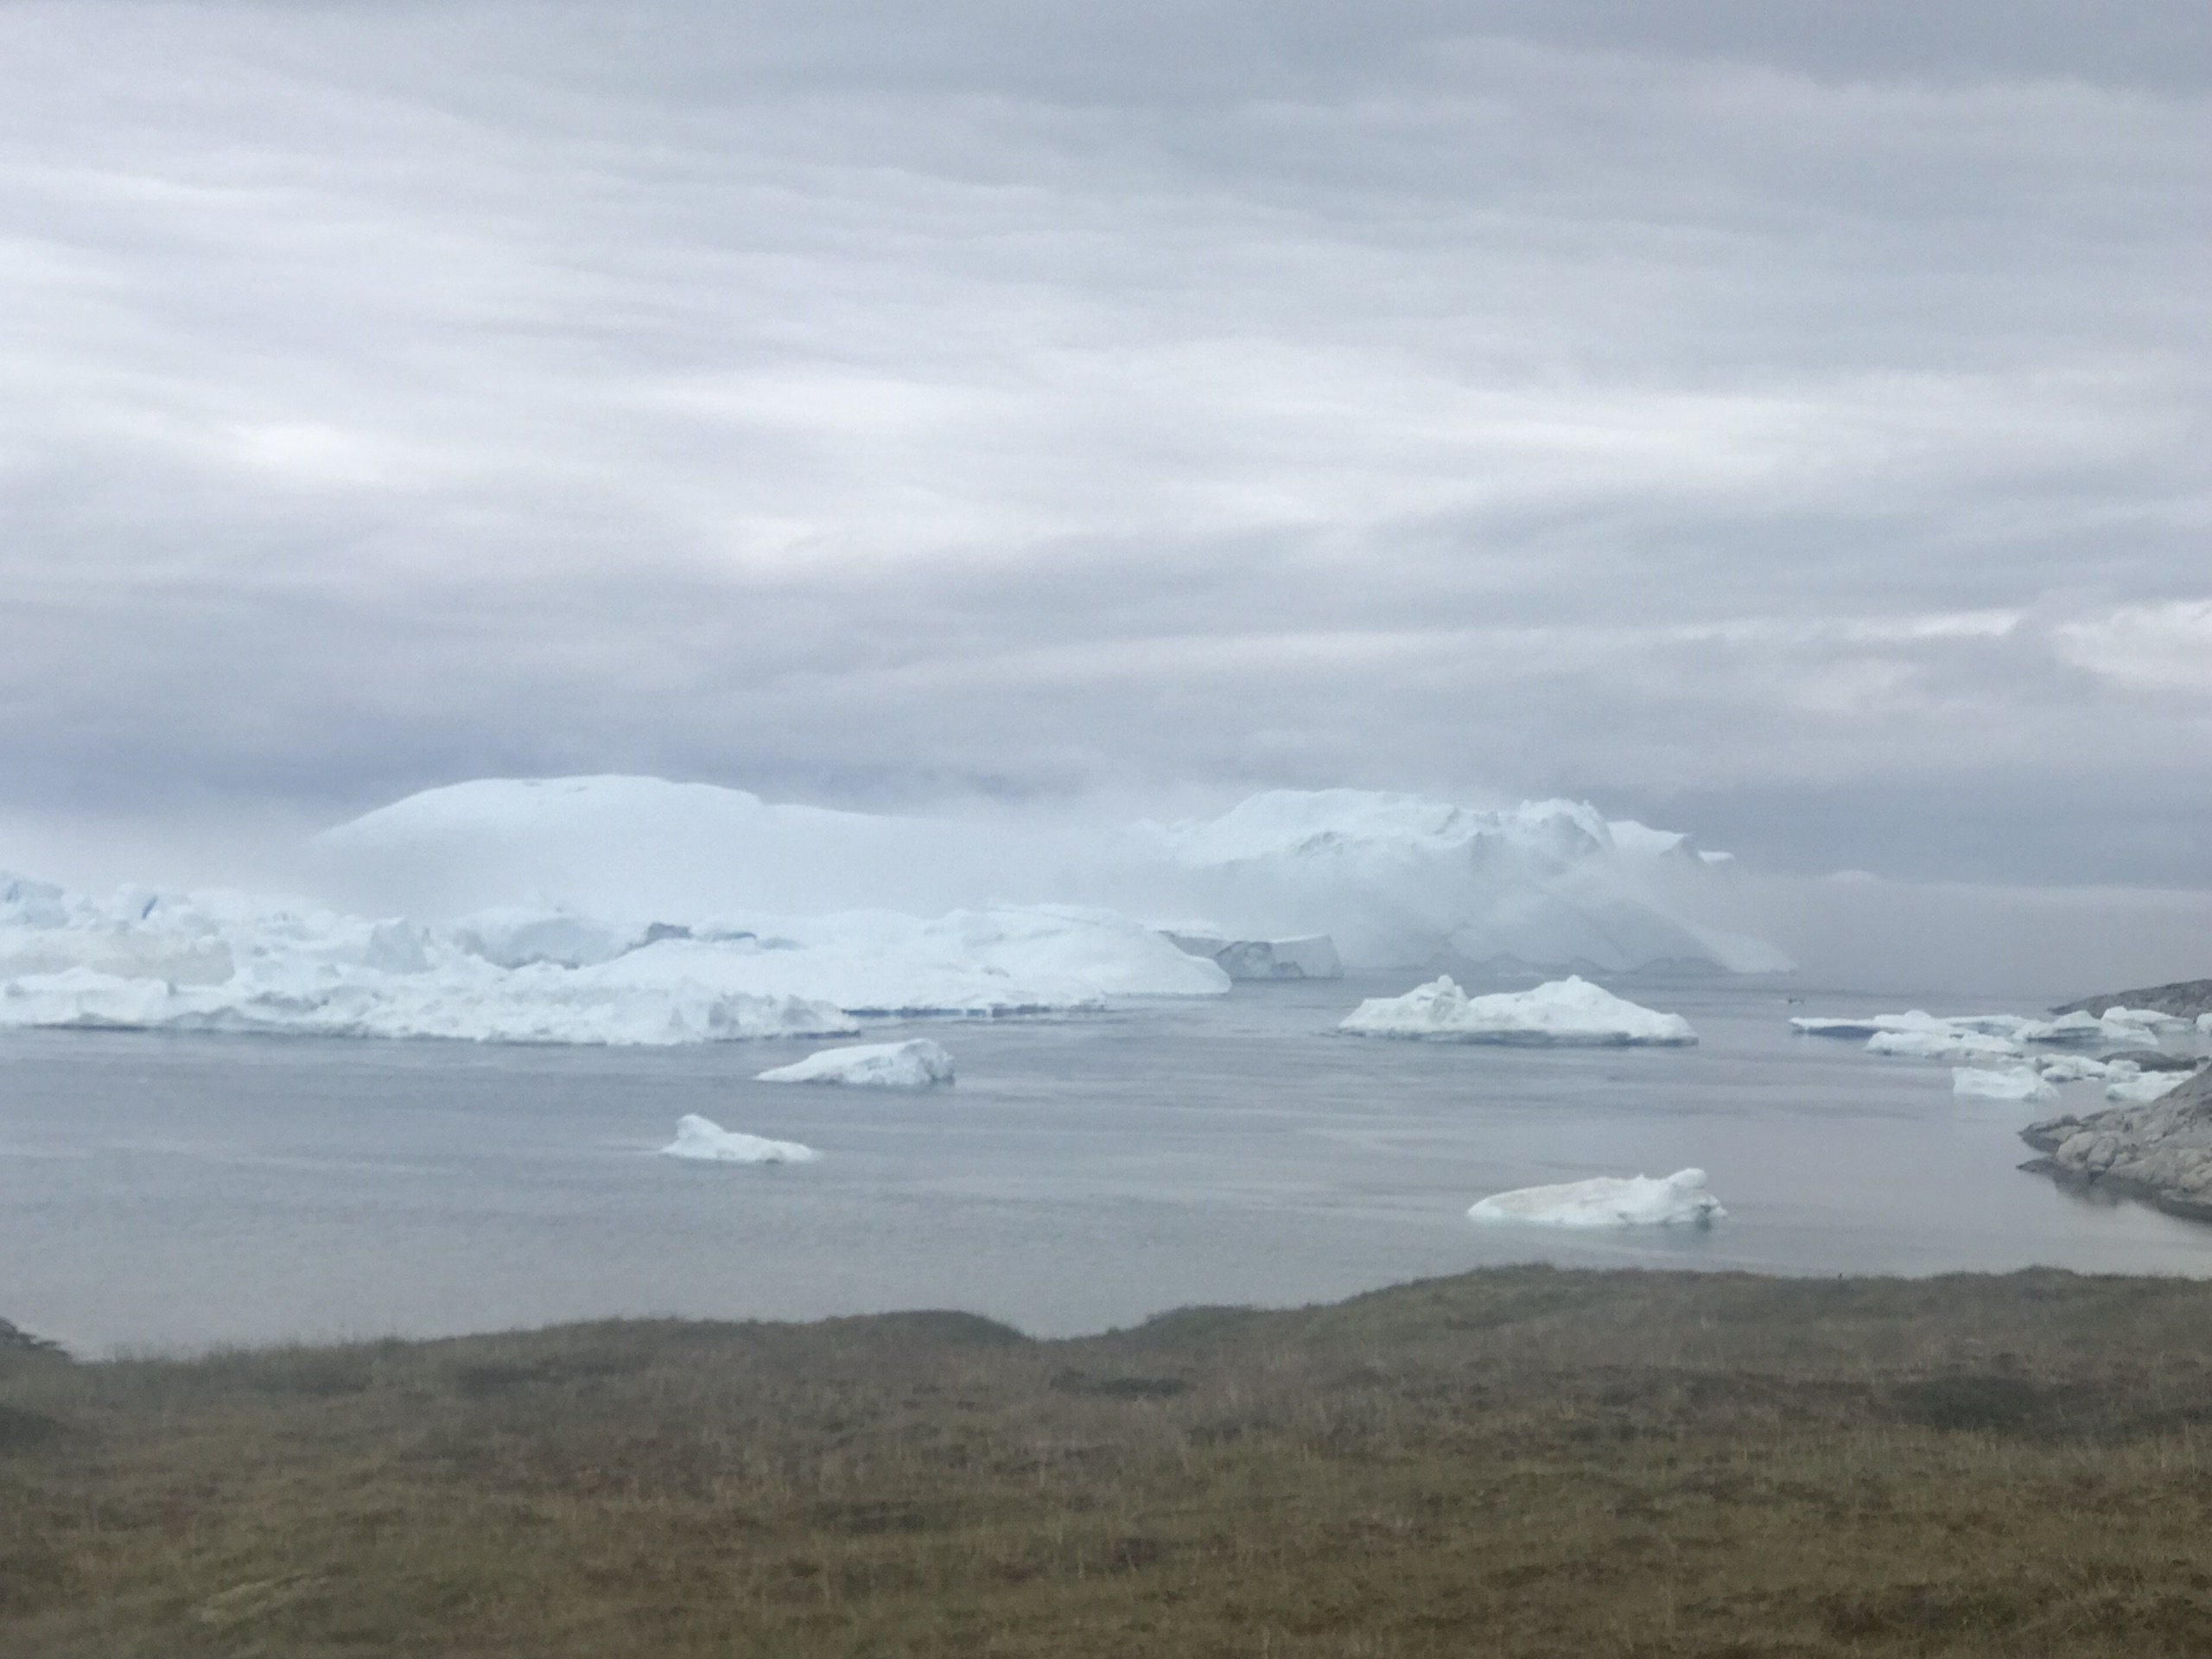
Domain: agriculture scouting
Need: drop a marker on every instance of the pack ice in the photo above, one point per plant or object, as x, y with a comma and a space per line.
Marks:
1675, 1200
709, 1142
226, 962
920, 1063
1563, 1011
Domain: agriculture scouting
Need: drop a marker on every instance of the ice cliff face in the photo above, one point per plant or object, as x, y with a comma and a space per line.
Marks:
1399, 878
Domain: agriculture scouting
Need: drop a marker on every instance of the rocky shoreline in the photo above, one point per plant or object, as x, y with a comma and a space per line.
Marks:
2160, 1151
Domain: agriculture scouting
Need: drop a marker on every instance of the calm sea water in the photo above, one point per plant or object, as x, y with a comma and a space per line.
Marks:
161, 1192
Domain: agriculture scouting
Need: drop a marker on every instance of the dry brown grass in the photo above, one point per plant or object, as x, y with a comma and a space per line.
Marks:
1525, 1461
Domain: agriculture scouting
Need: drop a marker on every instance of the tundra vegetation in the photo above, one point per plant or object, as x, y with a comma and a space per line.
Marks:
1522, 1461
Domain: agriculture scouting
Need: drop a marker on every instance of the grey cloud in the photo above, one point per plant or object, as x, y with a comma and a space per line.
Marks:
874, 403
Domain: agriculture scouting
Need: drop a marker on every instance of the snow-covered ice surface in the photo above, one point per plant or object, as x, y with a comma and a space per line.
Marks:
231, 962
159, 1190
1391, 879
2010, 1082
1675, 1200
698, 1137
916, 1064
1562, 1011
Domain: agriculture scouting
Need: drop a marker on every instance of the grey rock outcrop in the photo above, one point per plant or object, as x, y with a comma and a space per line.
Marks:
2185, 999
16, 1340
2161, 1150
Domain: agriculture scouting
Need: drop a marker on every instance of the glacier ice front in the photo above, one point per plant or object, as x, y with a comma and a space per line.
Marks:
709, 1142
1563, 1011
1676, 1200
919, 1064
228, 962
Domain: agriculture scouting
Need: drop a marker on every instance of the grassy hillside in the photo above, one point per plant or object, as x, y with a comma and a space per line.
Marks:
1522, 1461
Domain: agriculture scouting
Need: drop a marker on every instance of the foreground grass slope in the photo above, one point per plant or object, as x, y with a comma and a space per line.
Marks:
1525, 1461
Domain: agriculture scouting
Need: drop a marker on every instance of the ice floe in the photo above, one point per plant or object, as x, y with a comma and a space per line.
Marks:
707, 1142
1562, 1011
1942, 1043
2010, 1082
1680, 1199
919, 1064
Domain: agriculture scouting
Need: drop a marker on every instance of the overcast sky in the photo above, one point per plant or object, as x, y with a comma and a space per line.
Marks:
1787, 423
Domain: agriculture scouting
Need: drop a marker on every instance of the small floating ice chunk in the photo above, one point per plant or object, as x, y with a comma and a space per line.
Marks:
917, 1065
696, 1137
2076, 1068
2149, 1086
1570, 1010
1822, 1025
2012, 1082
1676, 1200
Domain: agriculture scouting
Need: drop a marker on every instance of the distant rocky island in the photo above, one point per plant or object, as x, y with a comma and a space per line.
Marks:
2158, 1150
2185, 998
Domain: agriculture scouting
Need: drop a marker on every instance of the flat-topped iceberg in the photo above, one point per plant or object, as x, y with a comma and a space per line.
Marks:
1675, 1200
919, 1064
2010, 1083
707, 1142
1562, 1011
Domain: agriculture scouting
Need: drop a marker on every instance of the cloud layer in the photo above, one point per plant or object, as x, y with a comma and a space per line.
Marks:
1792, 427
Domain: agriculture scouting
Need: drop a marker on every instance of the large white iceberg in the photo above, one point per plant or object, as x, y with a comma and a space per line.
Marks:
1563, 1011
709, 1142
1675, 1200
2010, 1082
1395, 879
1392, 878
919, 1064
